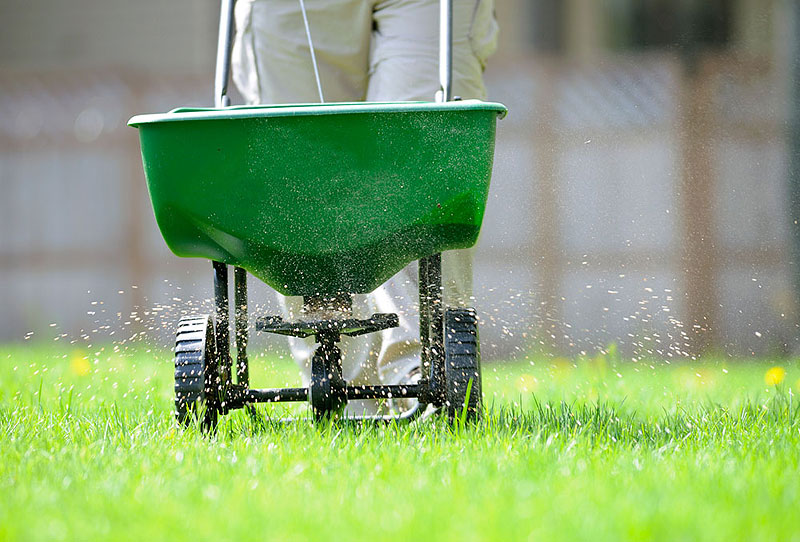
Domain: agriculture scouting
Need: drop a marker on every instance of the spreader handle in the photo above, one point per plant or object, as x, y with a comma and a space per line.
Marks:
223, 68
445, 93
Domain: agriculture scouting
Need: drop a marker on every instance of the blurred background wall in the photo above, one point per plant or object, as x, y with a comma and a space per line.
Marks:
641, 196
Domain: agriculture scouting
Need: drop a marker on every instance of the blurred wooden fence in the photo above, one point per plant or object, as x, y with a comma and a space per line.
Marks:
643, 202
634, 201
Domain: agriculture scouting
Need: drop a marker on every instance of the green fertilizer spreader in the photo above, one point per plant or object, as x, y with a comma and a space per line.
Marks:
322, 201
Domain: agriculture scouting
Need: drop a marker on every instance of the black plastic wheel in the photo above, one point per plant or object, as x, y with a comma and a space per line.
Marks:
327, 389
462, 363
197, 382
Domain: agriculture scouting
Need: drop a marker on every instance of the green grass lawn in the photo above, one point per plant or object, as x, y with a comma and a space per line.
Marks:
588, 449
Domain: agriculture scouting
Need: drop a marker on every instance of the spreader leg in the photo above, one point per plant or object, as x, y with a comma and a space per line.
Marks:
431, 325
223, 334
424, 320
240, 317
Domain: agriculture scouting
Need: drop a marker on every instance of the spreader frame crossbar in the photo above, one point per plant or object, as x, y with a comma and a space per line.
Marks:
238, 397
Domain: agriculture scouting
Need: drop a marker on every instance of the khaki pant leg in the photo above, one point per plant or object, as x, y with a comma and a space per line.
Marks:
272, 64
404, 59
272, 61
404, 65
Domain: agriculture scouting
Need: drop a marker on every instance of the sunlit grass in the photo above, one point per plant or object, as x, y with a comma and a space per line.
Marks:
570, 449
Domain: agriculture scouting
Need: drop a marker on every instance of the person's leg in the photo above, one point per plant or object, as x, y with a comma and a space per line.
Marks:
404, 58
404, 66
272, 64
272, 61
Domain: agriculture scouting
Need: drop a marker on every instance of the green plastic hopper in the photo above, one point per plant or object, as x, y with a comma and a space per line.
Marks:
320, 199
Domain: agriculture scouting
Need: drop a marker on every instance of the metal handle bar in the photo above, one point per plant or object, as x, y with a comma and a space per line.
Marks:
223, 66
445, 93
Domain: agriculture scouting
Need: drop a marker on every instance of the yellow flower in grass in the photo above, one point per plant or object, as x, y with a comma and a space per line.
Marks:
561, 368
79, 363
774, 376
527, 383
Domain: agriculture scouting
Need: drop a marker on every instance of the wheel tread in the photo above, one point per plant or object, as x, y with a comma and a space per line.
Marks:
462, 361
195, 366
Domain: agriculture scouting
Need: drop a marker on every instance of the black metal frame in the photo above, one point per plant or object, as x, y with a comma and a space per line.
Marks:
328, 392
